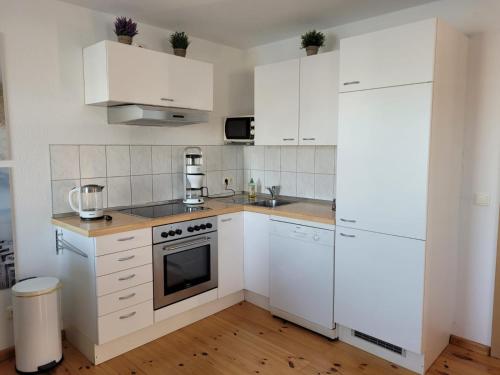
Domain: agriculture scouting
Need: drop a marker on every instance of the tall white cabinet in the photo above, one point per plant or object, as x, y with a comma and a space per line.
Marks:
296, 101
398, 178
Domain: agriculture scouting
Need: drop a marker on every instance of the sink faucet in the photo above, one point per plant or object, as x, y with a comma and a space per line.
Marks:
274, 191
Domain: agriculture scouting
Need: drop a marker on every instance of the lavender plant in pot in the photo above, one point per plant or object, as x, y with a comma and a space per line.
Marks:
312, 40
180, 42
125, 29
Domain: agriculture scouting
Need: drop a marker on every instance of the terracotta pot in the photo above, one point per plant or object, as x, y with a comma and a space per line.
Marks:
125, 39
180, 52
312, 50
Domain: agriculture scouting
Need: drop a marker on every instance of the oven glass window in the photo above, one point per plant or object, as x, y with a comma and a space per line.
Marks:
186, 269
237, 128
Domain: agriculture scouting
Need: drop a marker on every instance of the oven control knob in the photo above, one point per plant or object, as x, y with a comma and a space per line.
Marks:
178, 231
190, 229
203, 226
196, 227
171, 233
209, 225
164, 234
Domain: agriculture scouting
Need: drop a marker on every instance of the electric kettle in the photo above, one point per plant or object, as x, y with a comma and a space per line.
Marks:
89, 201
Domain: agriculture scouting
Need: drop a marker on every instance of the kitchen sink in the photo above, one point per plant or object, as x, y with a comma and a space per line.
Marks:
271, 203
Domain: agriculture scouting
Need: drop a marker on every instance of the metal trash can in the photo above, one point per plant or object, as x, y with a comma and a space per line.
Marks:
37, 324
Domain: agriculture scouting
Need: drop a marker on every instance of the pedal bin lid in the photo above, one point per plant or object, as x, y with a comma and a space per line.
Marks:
36, 286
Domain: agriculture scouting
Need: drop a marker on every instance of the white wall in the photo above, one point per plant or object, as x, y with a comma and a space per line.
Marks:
481, 173
44, 87
482, 142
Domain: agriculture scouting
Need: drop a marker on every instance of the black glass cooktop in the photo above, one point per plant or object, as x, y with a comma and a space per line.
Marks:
161, 210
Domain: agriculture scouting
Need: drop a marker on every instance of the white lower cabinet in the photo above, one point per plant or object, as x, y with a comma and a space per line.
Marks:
379, 286
230, 253
256, 260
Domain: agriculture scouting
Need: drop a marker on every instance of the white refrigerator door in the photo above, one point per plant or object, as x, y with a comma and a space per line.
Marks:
383, 154
379, 286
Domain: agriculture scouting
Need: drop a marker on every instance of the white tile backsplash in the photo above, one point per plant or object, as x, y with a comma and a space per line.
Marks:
65, 162
288, 159
140, 160
305, 185
92, 161
162, 187
324, 160
60, 192
305, 159
272, 161
118, 161
119, 191
161, 159
142, 189
141, 174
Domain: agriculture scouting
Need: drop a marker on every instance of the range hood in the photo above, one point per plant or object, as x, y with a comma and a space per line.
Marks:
138, 114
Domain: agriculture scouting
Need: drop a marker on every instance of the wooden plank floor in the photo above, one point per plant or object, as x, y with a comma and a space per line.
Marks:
245, 339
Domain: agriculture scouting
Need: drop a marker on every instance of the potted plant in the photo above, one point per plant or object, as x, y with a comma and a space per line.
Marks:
312, 40
180, 42
125, 29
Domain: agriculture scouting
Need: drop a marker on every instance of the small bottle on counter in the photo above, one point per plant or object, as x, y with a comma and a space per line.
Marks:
252, 191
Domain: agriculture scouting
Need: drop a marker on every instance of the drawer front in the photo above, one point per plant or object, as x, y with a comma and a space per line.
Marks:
125, 321
122, 241
123, 260
124, 298
124, 279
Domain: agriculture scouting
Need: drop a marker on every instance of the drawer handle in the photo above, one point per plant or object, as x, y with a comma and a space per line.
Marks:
125, 278
347, 235
348, 221
289, 139
226, 220
126, 238
167, 99
128, 315
126, 297
126, 258
351, 83
308, 139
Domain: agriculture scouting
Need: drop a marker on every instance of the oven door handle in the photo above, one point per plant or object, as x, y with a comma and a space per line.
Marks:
186, 244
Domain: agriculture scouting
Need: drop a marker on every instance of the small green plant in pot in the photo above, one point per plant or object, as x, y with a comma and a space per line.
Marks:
125, 29
312, 40
180, 42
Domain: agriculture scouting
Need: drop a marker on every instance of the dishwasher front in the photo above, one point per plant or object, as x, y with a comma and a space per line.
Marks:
301, 274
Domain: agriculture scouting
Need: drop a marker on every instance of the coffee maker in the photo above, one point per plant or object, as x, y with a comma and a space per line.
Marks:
193, 175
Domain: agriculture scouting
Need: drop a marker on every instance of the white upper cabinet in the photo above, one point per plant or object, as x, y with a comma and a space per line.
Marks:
396, 56
382, 163
117, 73
277, 103
319, 79
230, 254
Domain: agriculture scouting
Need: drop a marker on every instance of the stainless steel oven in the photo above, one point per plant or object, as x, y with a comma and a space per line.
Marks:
185, 260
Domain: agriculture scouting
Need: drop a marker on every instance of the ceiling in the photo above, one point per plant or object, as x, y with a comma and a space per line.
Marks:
247, 23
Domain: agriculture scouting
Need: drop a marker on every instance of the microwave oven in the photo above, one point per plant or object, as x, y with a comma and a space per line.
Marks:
240, 129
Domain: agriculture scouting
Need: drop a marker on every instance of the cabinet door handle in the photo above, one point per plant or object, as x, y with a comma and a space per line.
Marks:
122, 298
289, 139
128, 315
308, 139
126, 238
351, 83
348, 221
125, 278
126, 258
347, 235
167, 99
226, 220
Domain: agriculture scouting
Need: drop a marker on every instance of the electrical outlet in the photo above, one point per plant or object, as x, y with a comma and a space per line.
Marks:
9, 313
